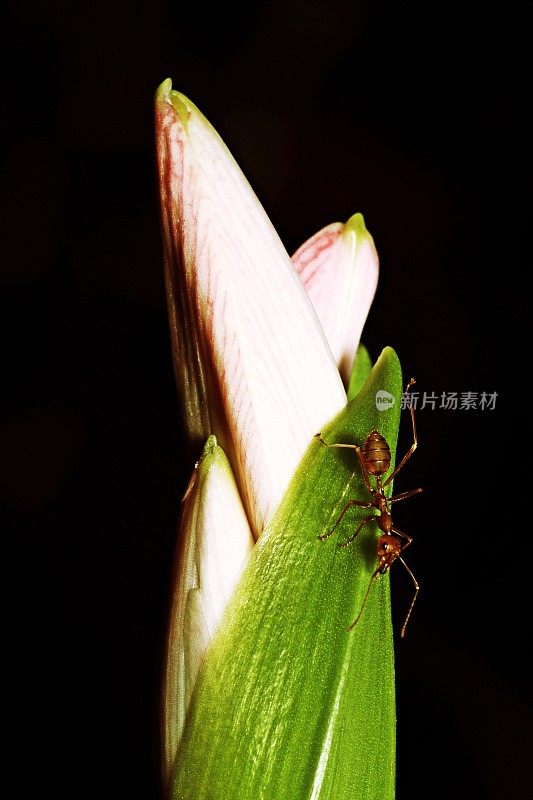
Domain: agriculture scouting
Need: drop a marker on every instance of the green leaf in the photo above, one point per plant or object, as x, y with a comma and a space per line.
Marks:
362, 364
289, 704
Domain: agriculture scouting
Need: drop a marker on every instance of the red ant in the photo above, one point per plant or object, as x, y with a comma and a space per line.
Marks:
374, 458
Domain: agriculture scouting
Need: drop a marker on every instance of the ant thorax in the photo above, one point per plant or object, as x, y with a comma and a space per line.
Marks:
380, 501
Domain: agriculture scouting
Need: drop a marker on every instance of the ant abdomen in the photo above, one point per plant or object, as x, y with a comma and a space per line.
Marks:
376, 454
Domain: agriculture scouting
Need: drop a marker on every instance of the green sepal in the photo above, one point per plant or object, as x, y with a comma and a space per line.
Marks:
290, 705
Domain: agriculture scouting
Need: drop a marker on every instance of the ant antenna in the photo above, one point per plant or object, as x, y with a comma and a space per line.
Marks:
358, 617
417, 587
375, 575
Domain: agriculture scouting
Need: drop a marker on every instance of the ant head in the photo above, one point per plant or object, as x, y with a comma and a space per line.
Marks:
388, 548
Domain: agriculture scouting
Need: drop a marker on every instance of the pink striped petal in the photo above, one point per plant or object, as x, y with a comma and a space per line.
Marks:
250, 354
339, 268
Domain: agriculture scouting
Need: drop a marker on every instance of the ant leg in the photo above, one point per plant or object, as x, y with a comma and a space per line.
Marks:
404, 495
409, 539
413, 447
351, 447
417, 587
363, 469
335, 444
349, 504
375, 575
358, 529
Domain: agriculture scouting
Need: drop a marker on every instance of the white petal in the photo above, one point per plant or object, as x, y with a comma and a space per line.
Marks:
213, 547
265, 365
339, 268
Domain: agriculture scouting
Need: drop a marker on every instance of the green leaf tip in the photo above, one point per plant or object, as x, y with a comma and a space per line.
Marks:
289, 704
362, 365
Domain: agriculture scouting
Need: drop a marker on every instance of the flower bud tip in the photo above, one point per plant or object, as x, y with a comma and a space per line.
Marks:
356, 224
163, 91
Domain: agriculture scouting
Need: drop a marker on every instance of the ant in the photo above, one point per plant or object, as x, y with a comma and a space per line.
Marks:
374, 458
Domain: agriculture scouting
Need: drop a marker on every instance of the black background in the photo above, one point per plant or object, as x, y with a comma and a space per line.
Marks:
414, 114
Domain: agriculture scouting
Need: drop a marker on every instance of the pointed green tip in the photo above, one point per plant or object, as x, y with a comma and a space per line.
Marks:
181, 104
356, 223
164, 89
356, 226
388, 367
210, 446
386, 370
213, 456
389, 353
